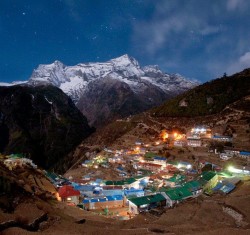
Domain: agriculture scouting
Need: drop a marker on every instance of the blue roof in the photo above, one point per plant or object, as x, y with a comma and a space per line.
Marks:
245, 153
103, 199
160, 158
74, 184
98, 180
115, 198
130, 191
85, 187
120, 168
94, 200
88, 200
222, 136
113, 192
217, 187
227, 188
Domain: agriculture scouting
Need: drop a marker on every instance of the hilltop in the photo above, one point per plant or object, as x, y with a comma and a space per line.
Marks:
209, 98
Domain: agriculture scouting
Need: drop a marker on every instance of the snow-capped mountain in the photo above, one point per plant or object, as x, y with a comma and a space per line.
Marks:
74, 80
113, 89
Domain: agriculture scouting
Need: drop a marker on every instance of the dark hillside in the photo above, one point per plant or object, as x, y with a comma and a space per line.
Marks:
40, 122
209, 98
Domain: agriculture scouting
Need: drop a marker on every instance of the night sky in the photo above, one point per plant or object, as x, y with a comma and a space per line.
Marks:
198, 39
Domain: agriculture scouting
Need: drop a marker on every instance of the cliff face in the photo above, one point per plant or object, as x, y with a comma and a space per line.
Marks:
40, 122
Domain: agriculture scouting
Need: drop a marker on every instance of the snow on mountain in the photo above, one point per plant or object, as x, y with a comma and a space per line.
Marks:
53, 73
13, 83
74, 80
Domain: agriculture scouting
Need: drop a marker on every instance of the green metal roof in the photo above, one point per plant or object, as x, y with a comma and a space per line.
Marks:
16, 155
175, 163
192, 185
149, 155
177, 193
52, 175
177, 178
202, 182
147, 199
121, 182
225, 174
208, 175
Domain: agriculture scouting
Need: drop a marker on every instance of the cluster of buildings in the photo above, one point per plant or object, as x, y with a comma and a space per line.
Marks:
17, 160
155, 182
158, 183
232, 152
135, 194
199, 136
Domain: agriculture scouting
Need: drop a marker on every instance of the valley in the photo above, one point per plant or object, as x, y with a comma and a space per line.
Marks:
141, 174
124, 117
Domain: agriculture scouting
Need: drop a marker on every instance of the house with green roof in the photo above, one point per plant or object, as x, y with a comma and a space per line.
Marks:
145, 203
208, 180
194, 187
175, 195
176, 180
127, 183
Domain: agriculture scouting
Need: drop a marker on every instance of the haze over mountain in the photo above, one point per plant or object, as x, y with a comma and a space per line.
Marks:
116, 88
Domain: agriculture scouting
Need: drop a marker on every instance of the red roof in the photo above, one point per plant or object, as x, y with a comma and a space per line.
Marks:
68, 191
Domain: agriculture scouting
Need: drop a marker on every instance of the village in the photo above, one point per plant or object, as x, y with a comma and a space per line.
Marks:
151, 177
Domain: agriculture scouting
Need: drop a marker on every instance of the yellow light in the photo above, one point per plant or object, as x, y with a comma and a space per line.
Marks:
175, 134
231, 169
164, 135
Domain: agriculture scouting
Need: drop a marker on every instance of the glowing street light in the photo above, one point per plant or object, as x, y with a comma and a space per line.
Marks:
231, 169
189, 166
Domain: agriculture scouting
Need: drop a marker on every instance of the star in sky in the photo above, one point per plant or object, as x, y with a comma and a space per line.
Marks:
200, 42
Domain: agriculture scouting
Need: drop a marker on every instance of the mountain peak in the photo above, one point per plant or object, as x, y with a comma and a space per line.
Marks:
75, 80
58, 64
124, 60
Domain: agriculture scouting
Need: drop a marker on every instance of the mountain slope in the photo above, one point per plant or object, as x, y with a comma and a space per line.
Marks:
41, 122
230, 111
209, 98
80, 80
109, 99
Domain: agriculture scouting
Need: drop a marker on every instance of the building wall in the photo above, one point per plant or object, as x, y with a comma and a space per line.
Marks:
211, 184
73, 199
133, 208
194, 143
103, 205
